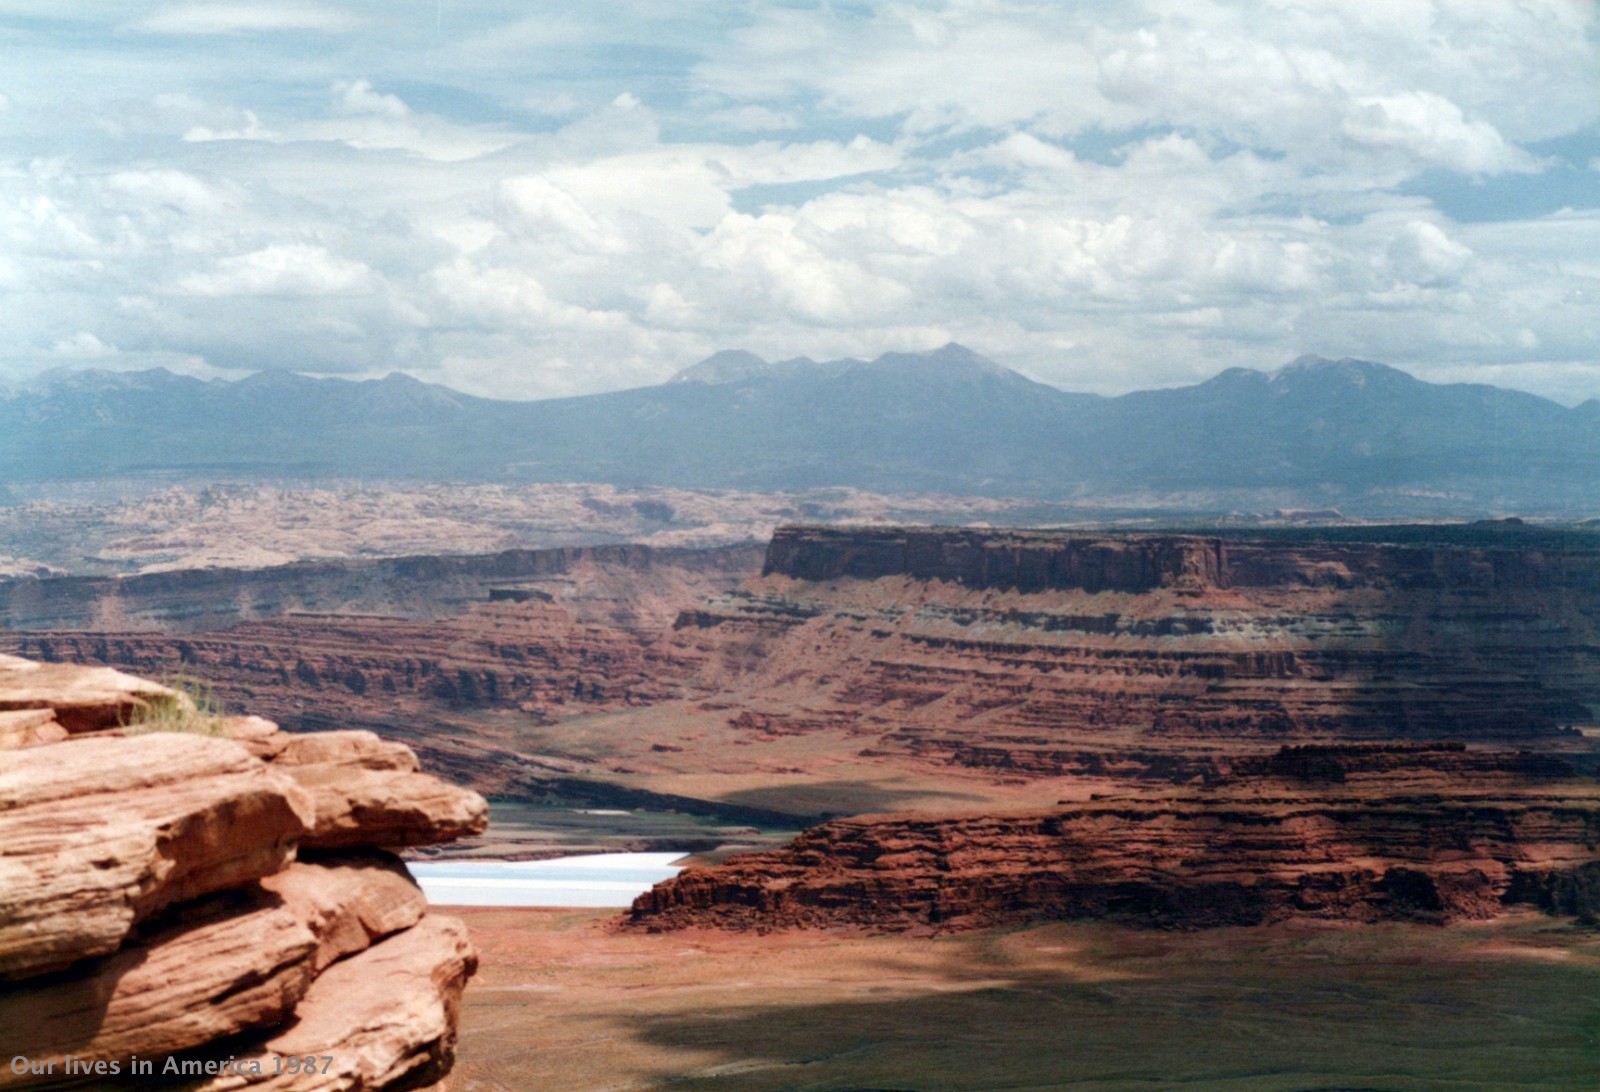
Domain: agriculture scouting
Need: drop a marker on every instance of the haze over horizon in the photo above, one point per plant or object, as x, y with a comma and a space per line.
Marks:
728, 364
1104, 197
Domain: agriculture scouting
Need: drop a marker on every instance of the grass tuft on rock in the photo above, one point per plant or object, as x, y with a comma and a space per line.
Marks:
192, 708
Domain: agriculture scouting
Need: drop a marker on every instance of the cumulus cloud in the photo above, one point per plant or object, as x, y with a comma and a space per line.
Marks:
292, 269
82, 346
1431, 129
358, 97
1106, 195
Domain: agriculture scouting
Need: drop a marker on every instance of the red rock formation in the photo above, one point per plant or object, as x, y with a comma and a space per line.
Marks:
164, 895
1348, 834
154, 821
1030, 561
1028, 651
1018, 560
78, 699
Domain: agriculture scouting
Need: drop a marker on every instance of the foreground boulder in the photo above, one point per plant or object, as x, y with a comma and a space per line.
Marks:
367, 1020
99, 835
176, 896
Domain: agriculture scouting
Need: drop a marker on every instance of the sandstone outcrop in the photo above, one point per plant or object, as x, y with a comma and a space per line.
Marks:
366, 1015
28, 727
78, 699
174, 895
1356, 835
98, 835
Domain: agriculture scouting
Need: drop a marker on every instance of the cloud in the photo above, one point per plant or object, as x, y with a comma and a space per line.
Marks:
82, 346
1106, 195
755, 119
292, 269
1422, 254
358, 97
250, 129
1432, 130
242, 18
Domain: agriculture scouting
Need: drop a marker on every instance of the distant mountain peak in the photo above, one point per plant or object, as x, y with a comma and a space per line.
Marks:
1346, 369
948, 361
738, 366
275, 379
99, 378
728, 366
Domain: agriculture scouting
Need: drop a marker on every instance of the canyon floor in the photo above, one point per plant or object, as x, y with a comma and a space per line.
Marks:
564, 1001
156, 524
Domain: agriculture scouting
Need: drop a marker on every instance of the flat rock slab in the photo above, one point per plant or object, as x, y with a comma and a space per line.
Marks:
237, 962
84, 699
354, 748
356, 806
97, 835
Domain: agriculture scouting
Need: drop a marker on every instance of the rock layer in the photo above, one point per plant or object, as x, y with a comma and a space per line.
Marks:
79, 699
98, 835
417, 587
1023, 651
174, 895
1352, 836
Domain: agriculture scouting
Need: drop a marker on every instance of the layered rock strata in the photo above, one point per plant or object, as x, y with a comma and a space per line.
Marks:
1348, 834
1029, 651
175, 899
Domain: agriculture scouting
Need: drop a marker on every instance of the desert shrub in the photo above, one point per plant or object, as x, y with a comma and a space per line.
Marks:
193, 708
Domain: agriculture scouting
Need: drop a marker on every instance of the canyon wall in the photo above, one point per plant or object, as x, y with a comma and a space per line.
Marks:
1027, 650
214, 907
1349, 834
1165, 674
1031, 561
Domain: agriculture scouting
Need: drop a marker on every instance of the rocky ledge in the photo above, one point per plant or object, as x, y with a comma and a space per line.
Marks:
218, 909
1350, 833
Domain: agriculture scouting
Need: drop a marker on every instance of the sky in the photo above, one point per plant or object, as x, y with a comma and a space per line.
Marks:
528, 200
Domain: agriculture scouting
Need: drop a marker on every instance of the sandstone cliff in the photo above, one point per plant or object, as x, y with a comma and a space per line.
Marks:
178, 899
1352, 834
1031, 651
1155, 679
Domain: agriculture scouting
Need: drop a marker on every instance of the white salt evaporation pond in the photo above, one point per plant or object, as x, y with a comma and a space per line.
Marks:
597, 880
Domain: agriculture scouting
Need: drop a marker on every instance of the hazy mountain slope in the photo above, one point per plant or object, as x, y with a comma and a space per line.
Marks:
93, 424
945, 421
949, 421
1347, 422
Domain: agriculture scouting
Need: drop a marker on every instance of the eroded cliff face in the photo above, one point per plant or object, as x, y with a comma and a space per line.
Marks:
1349, 834
1185, 705
178, 899
1031, 561
919, 655
1030, 651
540, 635
1166, 674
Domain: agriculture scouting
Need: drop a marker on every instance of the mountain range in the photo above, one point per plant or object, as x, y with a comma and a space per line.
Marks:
1314, 432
